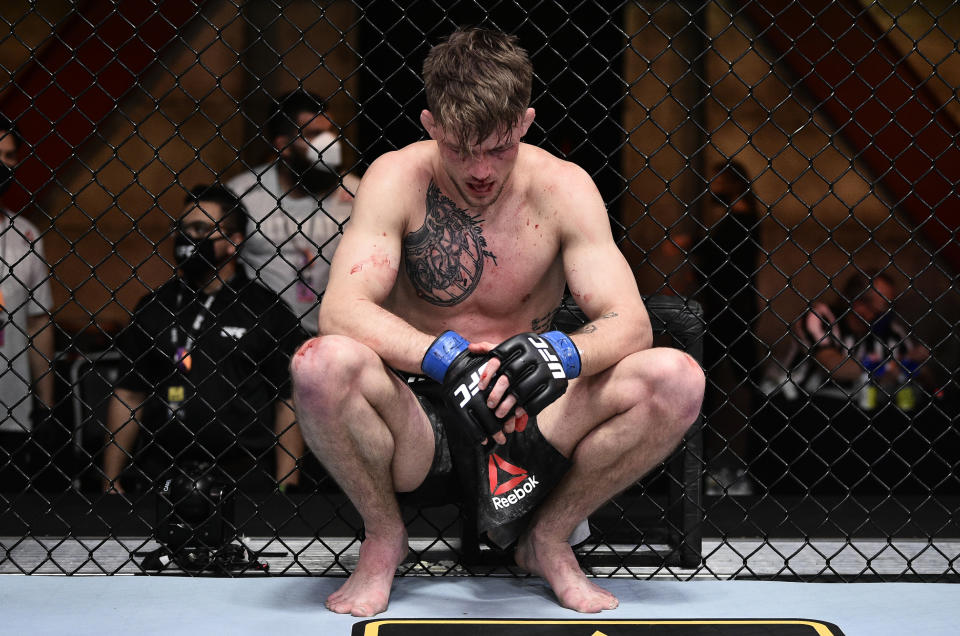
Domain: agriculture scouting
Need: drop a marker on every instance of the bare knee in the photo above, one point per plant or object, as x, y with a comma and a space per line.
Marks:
325, 369
675, 387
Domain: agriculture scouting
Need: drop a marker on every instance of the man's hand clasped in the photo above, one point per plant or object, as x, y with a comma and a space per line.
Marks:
492, 389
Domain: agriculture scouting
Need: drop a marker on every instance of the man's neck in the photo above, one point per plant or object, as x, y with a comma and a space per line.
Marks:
223, 275
450, 190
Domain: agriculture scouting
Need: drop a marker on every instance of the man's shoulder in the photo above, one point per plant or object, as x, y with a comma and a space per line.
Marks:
23, 227
165, 293
242, 183
150, 306
553, 183
411, 159
401, 173
256, 289
549, 174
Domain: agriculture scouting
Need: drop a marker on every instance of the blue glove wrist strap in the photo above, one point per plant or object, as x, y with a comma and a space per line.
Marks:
569, 356
442, 353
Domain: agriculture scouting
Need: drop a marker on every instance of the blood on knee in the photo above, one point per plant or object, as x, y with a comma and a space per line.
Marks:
304, 360
305, 348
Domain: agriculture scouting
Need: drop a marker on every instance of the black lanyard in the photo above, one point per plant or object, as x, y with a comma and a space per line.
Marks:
198, 321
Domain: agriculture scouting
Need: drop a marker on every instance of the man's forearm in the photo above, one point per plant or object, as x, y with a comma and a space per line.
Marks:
401, 345
839, 365
614, 335
40, 357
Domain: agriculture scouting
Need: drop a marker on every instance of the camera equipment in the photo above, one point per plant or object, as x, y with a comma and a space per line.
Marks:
195, 524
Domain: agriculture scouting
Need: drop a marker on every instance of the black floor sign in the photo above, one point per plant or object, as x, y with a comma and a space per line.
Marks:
575, 627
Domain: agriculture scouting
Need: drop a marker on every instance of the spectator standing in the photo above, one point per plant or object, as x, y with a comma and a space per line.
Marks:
727, 259
298, 203
26, 332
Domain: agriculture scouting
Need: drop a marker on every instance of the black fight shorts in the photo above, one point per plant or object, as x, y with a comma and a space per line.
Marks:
503, 484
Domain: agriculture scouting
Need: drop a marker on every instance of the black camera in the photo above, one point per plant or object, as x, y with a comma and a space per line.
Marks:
195, 524
195, 509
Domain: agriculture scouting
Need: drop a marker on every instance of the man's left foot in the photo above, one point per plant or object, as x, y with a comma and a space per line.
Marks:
554, 561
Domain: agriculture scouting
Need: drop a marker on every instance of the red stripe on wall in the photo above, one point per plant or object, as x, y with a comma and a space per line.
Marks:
877, 102
79, 77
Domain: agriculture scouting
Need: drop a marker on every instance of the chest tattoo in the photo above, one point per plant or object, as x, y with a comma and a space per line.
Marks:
444, 258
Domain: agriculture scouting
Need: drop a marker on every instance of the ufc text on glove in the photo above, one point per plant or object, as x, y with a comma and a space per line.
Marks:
538, 367
449, 362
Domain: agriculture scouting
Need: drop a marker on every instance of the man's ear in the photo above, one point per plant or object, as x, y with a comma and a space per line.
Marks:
430, 124
527, 120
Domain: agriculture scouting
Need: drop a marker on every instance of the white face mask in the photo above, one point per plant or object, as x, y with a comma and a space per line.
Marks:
324, 151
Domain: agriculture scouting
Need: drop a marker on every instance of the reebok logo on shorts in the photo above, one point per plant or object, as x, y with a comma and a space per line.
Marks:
504, 476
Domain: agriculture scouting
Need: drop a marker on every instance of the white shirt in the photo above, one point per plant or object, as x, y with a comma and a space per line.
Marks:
290, 241
24, 292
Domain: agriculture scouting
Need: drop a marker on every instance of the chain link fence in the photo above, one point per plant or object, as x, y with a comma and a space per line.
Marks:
781, 176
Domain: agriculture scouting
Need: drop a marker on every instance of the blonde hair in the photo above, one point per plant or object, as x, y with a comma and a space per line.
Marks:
477, 83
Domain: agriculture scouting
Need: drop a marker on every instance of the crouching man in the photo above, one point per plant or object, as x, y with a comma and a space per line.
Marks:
435, 349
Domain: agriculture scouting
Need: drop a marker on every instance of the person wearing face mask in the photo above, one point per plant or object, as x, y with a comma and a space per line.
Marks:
298, 203
204, 376
26, 334
726, 260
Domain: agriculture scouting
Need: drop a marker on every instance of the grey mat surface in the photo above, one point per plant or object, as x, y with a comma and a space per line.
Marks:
167, 604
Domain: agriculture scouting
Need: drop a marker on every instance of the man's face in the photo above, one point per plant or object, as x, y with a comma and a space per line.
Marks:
8, 159
200, 221
310, 125
8, 149
480, 175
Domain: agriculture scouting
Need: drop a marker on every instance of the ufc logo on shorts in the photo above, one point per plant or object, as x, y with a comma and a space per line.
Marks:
466, 391
553, 363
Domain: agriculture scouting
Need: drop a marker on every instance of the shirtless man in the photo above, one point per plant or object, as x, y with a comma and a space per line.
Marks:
476, 233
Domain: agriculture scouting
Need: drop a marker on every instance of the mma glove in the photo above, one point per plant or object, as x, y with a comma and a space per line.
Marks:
449, 362
538, 367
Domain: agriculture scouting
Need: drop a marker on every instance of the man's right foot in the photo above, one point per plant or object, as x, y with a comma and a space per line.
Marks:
367, 591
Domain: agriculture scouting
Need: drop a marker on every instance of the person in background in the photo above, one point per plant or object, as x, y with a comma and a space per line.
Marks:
727, 260
204, 376
26, 333
858, 346
298, 203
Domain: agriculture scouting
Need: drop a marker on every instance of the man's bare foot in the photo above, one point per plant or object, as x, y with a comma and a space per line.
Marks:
555, 562
367, 591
